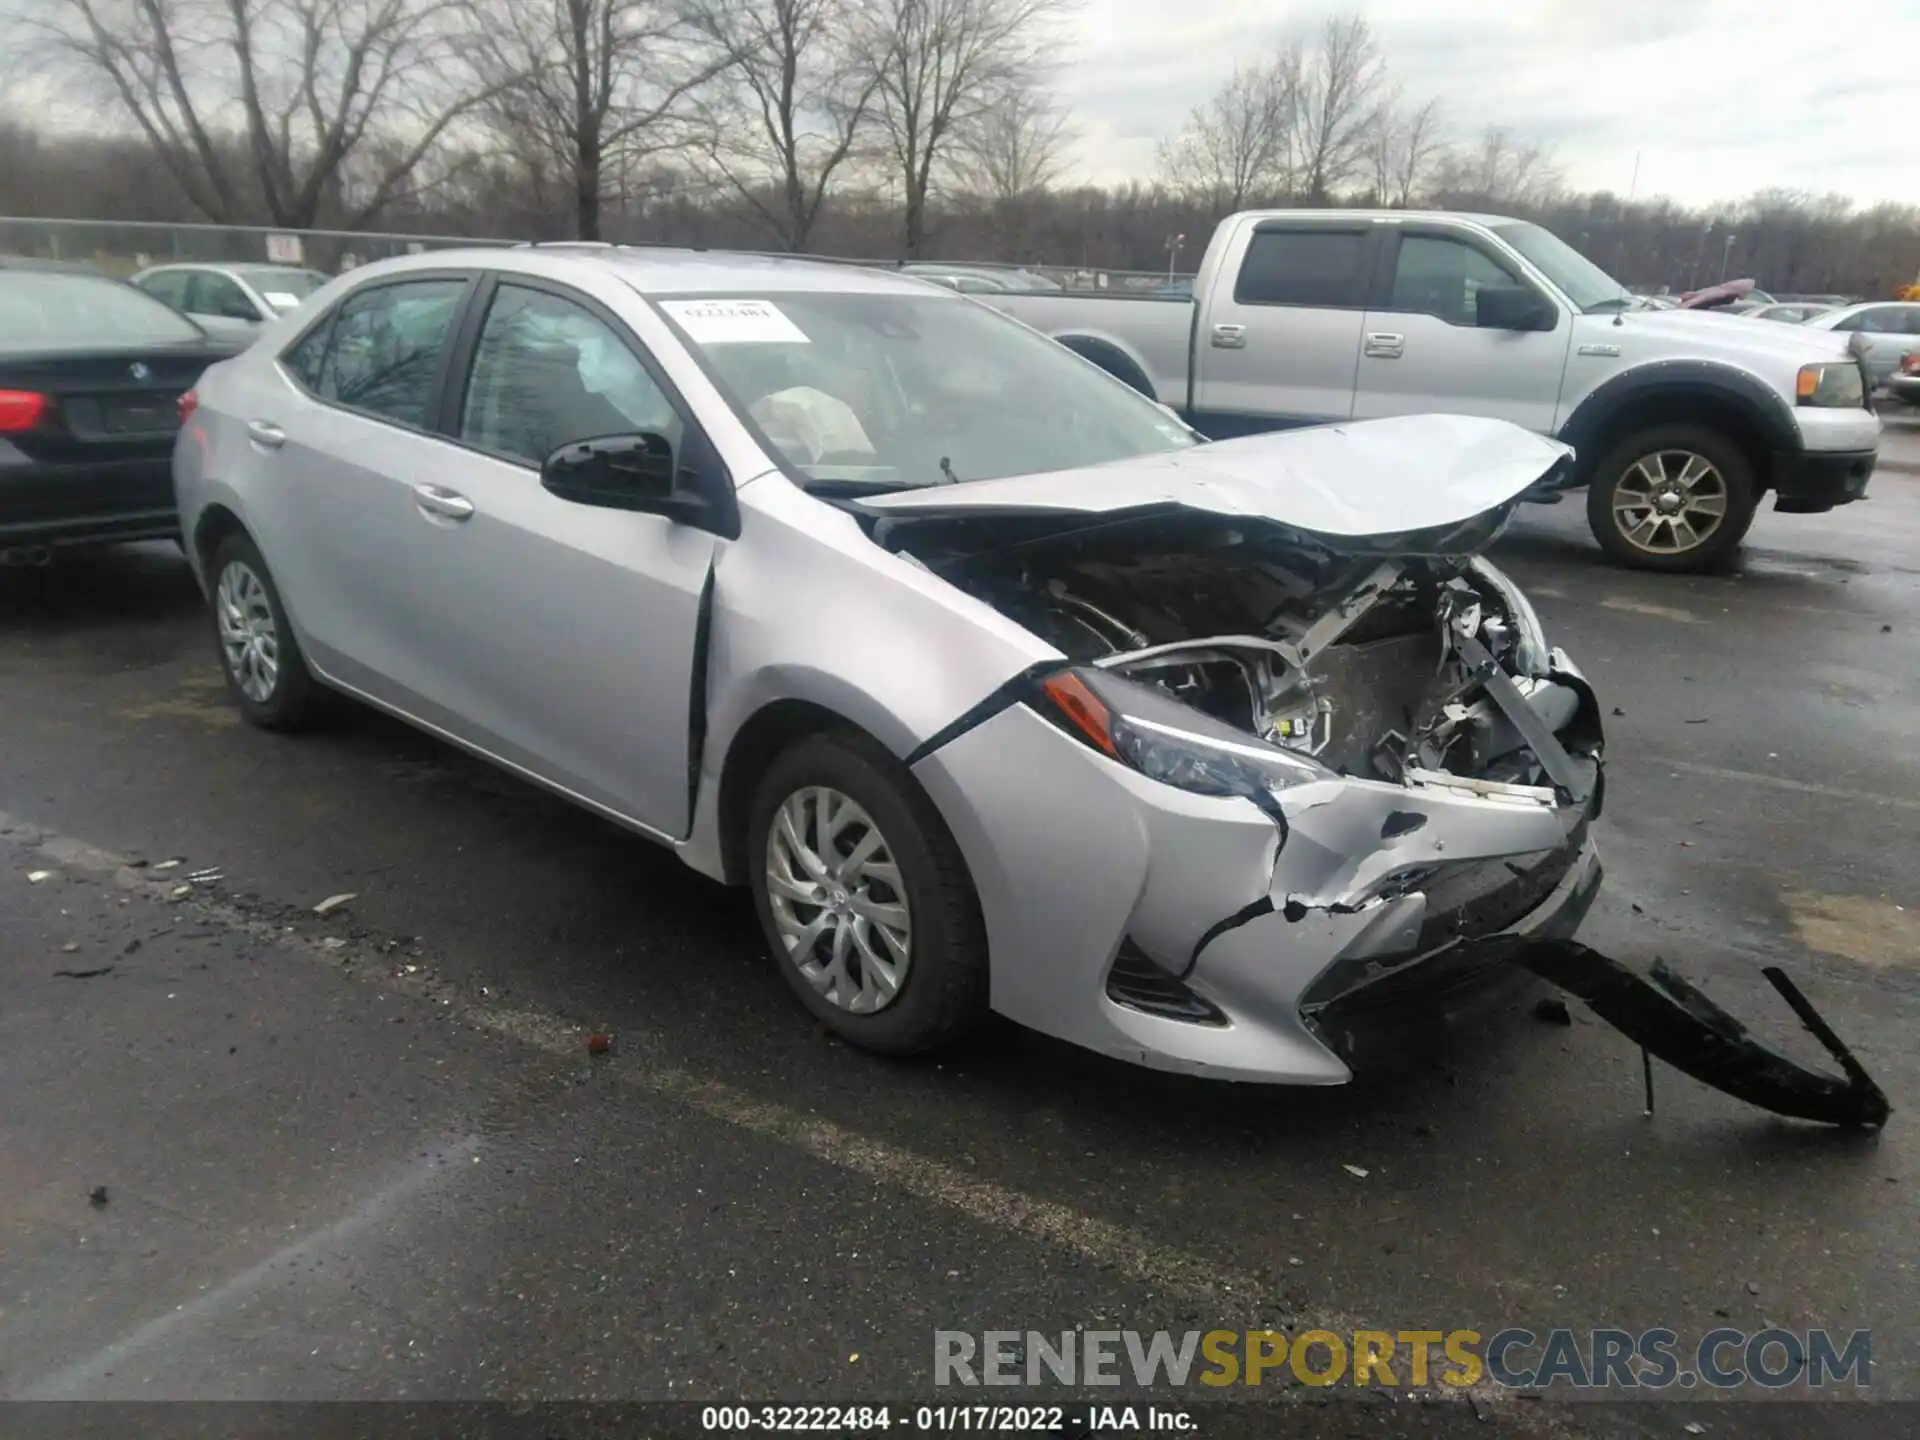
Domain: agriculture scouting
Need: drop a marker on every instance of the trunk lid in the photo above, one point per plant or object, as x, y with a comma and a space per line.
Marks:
106, 404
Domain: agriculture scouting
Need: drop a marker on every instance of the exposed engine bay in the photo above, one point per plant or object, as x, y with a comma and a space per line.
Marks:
1373, 665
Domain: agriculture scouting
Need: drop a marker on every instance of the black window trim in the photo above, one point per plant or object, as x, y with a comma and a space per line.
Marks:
436, 387
697, 450
1366, 230
1388, 261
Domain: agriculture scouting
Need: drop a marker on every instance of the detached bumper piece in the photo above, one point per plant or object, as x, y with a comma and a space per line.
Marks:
1668, 1017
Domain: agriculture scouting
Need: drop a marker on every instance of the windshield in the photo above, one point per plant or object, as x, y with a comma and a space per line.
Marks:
281, 288
1579, 279
48, 309
899, 391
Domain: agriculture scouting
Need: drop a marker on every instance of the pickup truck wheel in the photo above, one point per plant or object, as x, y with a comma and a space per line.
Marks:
1672, 497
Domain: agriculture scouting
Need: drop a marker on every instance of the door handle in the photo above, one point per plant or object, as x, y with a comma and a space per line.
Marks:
438, 500
266, 434
1229, 337
1385, 345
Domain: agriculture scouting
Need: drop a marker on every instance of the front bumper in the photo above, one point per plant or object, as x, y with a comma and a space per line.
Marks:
1082, 864
1810, 481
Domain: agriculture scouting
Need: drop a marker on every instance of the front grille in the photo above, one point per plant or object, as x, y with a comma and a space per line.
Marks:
1139, 984
1489, 911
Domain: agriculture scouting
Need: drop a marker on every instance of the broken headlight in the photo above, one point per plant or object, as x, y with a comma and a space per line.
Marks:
1149, 731
1531, 656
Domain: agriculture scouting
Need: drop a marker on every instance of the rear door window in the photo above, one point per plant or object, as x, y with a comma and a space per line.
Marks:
384, 349
1881, 320
1322, 269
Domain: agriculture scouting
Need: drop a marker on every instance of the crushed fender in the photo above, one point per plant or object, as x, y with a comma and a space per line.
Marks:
1668, 1017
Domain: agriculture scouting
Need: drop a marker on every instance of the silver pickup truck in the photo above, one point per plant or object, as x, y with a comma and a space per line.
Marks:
1681, 421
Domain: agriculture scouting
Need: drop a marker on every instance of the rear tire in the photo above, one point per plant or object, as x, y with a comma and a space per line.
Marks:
267, 675
1676, 498
848, 859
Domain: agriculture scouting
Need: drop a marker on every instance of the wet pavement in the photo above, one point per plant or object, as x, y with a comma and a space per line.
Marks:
369, 1156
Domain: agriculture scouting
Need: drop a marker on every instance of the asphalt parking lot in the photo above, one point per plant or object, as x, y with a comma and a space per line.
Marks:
368, 1155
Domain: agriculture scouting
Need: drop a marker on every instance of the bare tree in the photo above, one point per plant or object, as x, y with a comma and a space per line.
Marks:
796, 98
580, 85
1016, 146
1402, 149
1501, 170
941, 65
1339, 95
257, 107
1239, 143
1013, 152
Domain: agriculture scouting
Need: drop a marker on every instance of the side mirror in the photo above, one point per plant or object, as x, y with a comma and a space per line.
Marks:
1513, 307
617, 472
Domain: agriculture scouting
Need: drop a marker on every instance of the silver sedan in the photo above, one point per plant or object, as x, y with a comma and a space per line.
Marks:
996, 684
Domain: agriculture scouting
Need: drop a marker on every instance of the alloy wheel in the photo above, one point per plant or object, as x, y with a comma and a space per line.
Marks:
248, 636
837, 900
1670, 502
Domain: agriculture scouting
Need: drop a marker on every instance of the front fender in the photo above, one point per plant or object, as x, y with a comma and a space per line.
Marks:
1752, 398
807, 608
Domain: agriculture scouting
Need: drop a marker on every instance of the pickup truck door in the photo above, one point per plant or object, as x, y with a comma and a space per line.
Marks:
1423, 350
1278, 334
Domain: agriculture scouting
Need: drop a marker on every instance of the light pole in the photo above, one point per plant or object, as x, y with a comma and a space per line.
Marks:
1174, 244
1726, 255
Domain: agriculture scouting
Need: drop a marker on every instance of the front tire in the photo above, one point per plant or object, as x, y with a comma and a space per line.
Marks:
865, 900
1677, 498
266, 674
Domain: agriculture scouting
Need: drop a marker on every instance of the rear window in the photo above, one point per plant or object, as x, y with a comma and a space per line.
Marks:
48, 310
1304, 267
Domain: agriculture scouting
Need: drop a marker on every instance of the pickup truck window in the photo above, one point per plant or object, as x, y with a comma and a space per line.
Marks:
1442, 277
1323, 269
1579, 279
887, 391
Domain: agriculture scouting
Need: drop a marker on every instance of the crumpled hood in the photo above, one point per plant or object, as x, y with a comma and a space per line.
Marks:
1350, 480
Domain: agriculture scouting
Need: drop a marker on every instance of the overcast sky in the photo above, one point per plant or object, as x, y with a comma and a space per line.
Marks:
1719, 97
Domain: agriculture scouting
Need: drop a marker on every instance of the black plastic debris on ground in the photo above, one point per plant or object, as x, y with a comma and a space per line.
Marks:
1664, 1014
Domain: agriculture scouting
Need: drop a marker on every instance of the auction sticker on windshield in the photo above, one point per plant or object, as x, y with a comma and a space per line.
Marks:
734, 322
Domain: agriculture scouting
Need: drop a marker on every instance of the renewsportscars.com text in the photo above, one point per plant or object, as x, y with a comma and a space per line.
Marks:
1608, 1359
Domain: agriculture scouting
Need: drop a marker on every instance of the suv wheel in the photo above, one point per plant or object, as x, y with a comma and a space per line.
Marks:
1672, 497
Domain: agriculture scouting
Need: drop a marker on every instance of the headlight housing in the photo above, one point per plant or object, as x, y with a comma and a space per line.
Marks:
1835, 385
1147, 730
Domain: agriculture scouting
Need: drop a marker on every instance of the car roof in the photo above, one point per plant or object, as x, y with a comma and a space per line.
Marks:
664, 270
1469, 216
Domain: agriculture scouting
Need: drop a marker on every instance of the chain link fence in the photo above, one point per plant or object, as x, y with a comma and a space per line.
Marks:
121, 247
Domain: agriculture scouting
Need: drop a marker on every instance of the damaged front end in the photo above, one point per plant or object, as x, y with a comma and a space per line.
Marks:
1426, 759
1426, 770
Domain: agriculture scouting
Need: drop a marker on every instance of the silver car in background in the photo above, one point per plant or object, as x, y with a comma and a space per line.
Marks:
230, 300
1883, 334
997, 685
